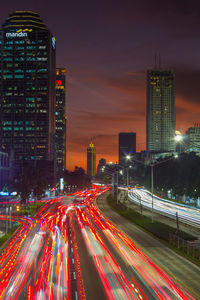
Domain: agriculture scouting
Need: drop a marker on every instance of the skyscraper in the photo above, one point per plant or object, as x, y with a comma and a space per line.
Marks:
91, 160
193, 139
127, 145
60, 134
160, 112
27, 88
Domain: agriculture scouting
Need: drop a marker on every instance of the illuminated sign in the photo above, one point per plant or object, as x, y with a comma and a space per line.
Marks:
61, 184
24, 30
59, 82
19, 33
53, 42
16, 34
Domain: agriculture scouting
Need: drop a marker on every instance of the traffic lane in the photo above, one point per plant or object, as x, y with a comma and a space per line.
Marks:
131, 264
185, 273
115, 283
118, 252
14, 265
12, 257
91, 279
68, 200
186, 214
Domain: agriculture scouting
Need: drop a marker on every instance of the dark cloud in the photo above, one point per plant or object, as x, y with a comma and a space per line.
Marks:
187, 83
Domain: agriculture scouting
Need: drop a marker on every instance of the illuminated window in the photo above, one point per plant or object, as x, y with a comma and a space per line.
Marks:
7, 128
42, 70
19, 76
19, 71
7, 76
7, 59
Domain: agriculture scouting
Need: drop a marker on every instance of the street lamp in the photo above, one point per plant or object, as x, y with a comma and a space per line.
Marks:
152, 165
113, 173
152, 174
179, 140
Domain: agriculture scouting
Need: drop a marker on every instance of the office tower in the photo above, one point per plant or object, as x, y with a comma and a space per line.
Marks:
160, 112
27, 88
101, 166
91, 160
60, 133
193, 139
127, 145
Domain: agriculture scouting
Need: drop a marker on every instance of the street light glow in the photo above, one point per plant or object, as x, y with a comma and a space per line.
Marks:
178, 137
128, 157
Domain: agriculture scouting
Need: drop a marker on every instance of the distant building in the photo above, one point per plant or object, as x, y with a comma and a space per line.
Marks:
127, 145
91, 160
60, 133
101, 166
160, 112
27, 88
193, 139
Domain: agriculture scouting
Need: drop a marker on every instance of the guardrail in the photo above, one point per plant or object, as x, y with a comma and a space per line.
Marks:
191, 248
195, 222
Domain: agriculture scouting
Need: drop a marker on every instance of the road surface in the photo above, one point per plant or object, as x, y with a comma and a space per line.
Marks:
71, 251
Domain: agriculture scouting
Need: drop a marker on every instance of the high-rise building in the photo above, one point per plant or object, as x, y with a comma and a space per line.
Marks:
101, 166
193, 139
27, 88
160, 111
127, 145
60, 134
91, 160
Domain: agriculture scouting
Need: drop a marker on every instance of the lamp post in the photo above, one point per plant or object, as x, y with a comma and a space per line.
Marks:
178, 139
127, 177
152, 165
6, 220
10, 217
152, 191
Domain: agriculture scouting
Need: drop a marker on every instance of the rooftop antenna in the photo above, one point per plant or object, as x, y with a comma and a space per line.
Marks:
159, 62
155, 62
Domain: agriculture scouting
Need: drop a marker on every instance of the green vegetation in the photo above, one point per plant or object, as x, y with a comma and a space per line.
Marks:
158, 229
33, 208
5, 237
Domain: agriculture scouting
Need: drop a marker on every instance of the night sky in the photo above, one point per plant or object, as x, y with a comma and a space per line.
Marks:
106, 47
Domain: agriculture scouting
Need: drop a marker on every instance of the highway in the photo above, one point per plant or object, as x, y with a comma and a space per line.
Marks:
188, 215
71, 251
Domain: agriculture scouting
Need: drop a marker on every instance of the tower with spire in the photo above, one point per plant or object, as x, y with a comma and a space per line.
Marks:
91, 160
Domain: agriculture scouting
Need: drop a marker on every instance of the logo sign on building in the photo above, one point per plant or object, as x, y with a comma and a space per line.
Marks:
53, 42
59, 82
18, 33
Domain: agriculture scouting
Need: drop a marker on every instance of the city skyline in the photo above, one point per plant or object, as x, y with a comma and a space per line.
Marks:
106, 53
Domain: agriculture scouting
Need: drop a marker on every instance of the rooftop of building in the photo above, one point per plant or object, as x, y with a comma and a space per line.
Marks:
21, 19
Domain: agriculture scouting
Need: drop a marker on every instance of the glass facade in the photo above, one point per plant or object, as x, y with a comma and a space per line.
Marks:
60, 133
27, 88
160, 114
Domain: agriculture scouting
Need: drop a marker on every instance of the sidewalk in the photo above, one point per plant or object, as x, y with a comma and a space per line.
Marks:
180, 269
